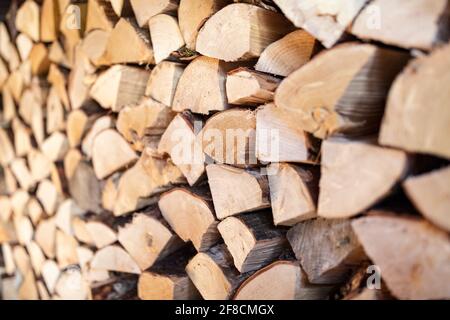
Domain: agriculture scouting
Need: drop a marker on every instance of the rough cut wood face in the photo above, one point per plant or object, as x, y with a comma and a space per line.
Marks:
411, 122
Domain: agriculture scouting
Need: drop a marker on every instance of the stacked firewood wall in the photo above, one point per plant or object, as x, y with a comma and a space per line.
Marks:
218, 149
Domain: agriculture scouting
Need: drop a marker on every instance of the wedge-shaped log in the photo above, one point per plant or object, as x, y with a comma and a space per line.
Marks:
114, 258
181, 143
349, 100
49, 20
294, 191
247, 87
383, 22
72, 285
237, 190
55, 146
144, 10
100, 16
163, 81
325, 20
213, 273
166, 36
148, 238
340, 252
23, 176
252, 240
6, 148
287, 54
201, 87
230, 137
191, 215
85, 188
99, 125
101, 234
422, 251
28, 19
245, 31
40, 166
48, 195
119, 86
355, 175
408, 105
148, 177
281, 280
279, 138
430, 193
94, 45
111, 153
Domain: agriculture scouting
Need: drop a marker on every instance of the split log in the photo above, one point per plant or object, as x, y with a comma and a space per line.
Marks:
50, 274
236, 190
39, 59
109, 192
24, 45
247, 87
28, 19
19, 200
71, 161
381, 21
281, 280
99, 125
15, 84
190, 214
100, 16
94, 45
71, 285
147, 118
49, 21
148, 238
213, 274
128, 84
230, 137
355, 175
163, 81
34, 211
288, 54
154, 286
331, 101
58, 178
144, 10
28, 289
5, 208
10, 288
23, 229
101, 234
85, 188
58, 79
6, 148
22, 173
37, 123
422, 251
403, 125
55, 146
430, 194
22, 138
326, 21
78, 89
279, 138
340, 252
9, 108
7, 233
181, 143
22, 260
166, 36
252, 240
72, 25
114, 258
148, 177
42, 290
37, 257
128, 43
81, 232
57, 55
45, 237
66, 249
192, 14
294, 191
201, 87
122, 8
3, 73
8, 259
67, 210
245, 31
111, 153
55, 119
77, 123
25, 106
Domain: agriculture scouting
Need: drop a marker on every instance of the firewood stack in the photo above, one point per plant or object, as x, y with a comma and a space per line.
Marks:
218, 149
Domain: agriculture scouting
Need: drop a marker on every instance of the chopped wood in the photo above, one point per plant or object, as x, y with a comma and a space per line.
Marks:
182, 132
99, 125
122, 8
50, 274
279, 138
144, 10
55, 146
8, 259
150, 176
109, 192
22, 138
22, 260
403, 124
7, 233
37, 257
245, 31
9, 108
294, 191
22, 173
28, 19
19, 200
191, 215
163, 81
5, 208
55, 113
66, 247
213, 274
24, 229
201, 87
166, 36
6, 148
355, 175
49, 20
154, 286
85, 188
72, 285
80, 231
57, 55
147, 118
39, 59
337, 101
192, 14
45, 236
101, 234
120, 86
71, 161
78, 88
42, 290
148, 238
100, 16
230, 137
281, 280
37, 123
340, 252
58, 78
34, 211
94, 45
48, 196
430, 193
326, 21
422, 251
252, 240
247, 87
288, 54
237, 190
114, 258
28, 289
24, 46
404, 28
77, 121
67, 210
128, 43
